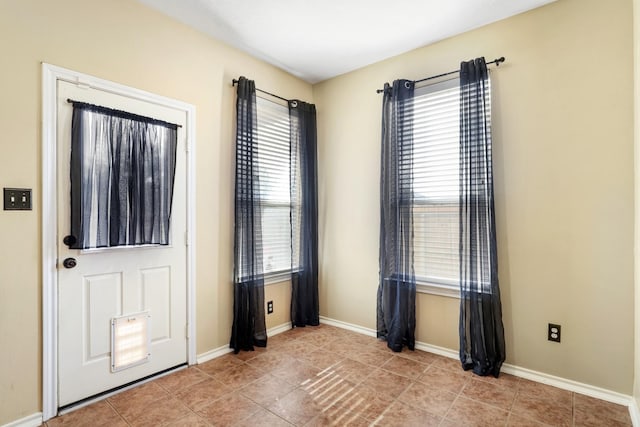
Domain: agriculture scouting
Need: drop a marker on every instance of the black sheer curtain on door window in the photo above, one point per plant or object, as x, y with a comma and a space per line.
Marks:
249, 327
482, 346
122, 176
396, 313
304, 214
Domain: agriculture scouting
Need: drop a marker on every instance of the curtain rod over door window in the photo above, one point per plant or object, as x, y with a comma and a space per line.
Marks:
122, 114
497, 61
293, 101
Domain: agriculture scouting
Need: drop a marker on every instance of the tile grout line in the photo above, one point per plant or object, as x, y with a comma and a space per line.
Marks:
444, 417
117, 412
174, 395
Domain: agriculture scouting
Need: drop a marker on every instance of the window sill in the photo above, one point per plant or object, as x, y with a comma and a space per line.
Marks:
277, 277
436, 289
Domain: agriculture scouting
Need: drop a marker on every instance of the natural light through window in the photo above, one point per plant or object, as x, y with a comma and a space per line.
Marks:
436, 129
273, 158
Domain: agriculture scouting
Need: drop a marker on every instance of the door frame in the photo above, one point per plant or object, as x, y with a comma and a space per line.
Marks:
50, 76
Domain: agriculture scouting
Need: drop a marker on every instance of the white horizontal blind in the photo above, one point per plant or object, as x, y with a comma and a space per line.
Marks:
273, 166
436, 130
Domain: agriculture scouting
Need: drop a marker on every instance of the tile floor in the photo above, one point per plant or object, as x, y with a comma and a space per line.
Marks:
321, 376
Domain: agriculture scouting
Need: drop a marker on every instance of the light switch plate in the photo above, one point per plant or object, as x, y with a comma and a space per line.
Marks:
17, 199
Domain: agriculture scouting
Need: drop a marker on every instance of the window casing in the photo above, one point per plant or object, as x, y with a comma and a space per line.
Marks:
436, 139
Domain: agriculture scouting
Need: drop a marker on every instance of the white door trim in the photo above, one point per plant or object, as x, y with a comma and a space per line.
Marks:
50, 75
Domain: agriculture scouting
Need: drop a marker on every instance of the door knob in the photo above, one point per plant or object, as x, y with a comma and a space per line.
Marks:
69, 240
69, 262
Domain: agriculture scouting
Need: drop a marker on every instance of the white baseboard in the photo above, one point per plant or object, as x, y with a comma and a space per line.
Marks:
348, 326
634, 411
541, 377
212, 354
279, 329
33, 420
225, 349
566, 384
441, 351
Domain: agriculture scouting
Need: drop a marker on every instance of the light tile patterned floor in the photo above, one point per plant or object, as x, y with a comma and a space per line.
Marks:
321, 376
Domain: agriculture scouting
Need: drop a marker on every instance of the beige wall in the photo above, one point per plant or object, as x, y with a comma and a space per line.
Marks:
563, 173
280, 294
122, 41
563, 161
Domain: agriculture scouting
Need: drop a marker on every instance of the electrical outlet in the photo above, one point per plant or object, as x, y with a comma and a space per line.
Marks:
553, 333
269, 307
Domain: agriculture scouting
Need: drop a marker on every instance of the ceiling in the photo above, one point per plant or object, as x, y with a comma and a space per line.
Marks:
317, 40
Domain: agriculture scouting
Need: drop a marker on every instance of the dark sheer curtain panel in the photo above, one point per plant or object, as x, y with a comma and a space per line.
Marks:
122, 175
396, 312
304, 215
249, 327
482, 345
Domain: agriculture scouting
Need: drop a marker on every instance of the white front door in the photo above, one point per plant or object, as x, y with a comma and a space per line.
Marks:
115, 282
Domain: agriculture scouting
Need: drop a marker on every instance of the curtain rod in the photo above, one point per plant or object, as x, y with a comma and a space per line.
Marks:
235, 81
497, 61
71, 101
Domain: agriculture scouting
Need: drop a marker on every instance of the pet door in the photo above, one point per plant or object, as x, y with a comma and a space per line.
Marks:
130, 341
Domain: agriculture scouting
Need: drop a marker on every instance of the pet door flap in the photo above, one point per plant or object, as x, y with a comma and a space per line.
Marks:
130, 340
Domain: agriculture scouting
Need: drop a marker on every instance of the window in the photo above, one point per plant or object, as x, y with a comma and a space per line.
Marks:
122, 172
436, 139
273, 164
